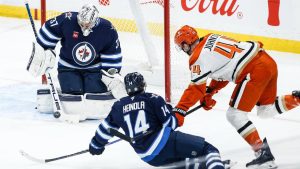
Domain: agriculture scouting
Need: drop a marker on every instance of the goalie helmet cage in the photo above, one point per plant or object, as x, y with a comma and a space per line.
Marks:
170, 81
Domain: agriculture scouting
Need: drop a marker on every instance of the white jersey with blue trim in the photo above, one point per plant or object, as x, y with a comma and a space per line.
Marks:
137, 115
100, 49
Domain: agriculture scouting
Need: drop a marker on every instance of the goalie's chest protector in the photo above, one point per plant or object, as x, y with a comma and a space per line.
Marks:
77, 50
85, 51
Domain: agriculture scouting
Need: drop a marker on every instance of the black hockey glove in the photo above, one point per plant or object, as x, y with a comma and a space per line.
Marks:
96, 148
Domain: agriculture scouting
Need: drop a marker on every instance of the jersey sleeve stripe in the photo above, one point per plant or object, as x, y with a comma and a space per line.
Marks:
201, 77
106, 125
49, 34
93, 145
102, 134
45, 42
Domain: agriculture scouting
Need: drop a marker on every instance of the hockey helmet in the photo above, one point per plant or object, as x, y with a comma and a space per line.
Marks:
134, 83
87, 18
186, 35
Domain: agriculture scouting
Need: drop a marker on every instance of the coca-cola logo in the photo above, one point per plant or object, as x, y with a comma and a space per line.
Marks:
228, 7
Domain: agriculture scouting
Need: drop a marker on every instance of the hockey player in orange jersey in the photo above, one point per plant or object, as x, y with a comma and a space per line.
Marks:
253, 71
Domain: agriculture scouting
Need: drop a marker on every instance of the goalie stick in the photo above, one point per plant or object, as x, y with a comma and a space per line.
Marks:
124, 137
58, 111
39, 160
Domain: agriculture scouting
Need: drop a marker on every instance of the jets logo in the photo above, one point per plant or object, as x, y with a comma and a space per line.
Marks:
83, 53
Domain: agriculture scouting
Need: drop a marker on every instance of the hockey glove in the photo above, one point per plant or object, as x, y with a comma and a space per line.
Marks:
96, 148
208, 102
41, 61
179, 113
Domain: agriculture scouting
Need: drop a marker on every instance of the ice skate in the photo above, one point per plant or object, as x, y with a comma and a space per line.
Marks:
296, 93
264, 158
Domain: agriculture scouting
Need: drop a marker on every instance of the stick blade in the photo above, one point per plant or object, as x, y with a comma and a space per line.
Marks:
31, 158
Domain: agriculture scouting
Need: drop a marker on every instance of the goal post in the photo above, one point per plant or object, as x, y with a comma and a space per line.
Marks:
167, 55
43, 20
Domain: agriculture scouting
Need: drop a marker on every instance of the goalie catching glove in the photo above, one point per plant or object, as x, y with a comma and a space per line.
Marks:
41, 60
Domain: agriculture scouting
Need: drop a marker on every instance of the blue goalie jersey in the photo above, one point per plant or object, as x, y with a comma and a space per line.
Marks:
100, 49
137, 115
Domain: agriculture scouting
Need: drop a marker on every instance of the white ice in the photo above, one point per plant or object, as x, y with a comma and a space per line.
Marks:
23, 128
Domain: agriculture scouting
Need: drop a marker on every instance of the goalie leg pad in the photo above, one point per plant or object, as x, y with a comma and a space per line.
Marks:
41, 61
44, 101
99, 105
89, 106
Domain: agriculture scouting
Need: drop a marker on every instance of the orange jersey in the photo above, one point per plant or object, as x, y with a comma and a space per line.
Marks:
217, 57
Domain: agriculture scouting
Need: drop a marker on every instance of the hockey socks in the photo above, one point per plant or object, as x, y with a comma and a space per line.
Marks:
287, 102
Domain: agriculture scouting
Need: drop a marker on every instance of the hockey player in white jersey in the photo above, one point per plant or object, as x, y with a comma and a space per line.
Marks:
253, 71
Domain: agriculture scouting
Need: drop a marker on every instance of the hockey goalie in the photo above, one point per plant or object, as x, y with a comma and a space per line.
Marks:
88, 65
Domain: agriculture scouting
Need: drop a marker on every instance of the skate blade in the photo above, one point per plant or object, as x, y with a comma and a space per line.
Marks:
266, 165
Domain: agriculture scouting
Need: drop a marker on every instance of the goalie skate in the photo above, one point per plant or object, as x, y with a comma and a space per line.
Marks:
264, 158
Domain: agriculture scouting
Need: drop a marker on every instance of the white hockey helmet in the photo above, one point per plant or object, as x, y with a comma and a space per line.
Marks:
87, 18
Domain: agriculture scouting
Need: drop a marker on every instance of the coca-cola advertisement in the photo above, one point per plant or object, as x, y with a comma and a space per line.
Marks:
229, 8
267, 18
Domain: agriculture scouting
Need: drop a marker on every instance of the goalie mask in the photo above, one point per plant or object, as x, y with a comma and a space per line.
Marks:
185, 37
87, 18
134, 83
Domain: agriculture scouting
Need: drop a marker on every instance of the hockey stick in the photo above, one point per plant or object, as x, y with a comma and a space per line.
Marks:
124, 137
58, 111
44, 78
38, 160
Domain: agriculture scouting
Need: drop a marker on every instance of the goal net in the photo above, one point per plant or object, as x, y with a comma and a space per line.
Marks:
146, 29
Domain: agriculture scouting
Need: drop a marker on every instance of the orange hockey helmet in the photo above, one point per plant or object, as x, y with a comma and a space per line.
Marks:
187, 35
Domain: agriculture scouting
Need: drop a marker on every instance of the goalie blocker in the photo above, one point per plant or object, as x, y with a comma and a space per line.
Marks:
89, 105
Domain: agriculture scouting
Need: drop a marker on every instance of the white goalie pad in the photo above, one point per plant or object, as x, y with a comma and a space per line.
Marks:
88, 106
41, 61
114, 83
